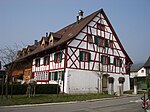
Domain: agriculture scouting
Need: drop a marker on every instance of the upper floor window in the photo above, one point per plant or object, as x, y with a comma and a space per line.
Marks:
105, 59
117, 62
101, 26
84, 56
46, 60
58, 57
101, 41
110, 43
37, 62
89, 38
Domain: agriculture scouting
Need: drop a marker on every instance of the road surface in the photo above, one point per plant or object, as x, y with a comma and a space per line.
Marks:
123, 104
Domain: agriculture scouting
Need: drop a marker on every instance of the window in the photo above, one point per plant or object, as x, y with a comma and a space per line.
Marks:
110, 43
85, 56
117, 62
37, 62
54, 76
106, 42
142, 71
101, 26
96, 40
51, 42
46, 60
102, 42
89, 38
58, 57
105, 59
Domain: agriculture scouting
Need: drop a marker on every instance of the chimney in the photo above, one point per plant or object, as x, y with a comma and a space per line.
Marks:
46, 34
80, 15
35, 42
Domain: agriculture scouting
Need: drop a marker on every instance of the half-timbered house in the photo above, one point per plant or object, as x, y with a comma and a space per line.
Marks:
85, 56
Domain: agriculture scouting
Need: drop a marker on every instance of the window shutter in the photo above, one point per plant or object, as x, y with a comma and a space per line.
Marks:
108, 60
60, 56
120, 62
55, 76
89, 56
102, 58
115, 61
62, 77
96, 40
81, 55
55, 57
106, 42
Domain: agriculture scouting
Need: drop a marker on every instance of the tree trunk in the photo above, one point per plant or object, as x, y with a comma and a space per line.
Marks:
6, 86
2, 91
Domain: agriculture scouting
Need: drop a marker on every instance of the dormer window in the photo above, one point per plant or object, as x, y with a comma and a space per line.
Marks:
51, 43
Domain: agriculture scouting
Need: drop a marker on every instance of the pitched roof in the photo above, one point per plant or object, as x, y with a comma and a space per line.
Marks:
147, 63
69, 32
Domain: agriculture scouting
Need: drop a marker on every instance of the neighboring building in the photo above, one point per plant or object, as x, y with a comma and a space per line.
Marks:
82, 57
140, 75
147, 67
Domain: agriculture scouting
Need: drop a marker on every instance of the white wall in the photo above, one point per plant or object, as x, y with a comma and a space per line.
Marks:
80, 81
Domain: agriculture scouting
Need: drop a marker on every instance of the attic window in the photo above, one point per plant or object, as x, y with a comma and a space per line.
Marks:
51, 42
101, 26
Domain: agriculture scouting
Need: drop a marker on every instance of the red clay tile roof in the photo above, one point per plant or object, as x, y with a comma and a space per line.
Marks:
147, 63
69, 32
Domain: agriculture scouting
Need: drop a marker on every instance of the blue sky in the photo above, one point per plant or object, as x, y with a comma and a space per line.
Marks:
23, 21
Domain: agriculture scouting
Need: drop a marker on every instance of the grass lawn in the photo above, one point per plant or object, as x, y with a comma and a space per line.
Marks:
49, 98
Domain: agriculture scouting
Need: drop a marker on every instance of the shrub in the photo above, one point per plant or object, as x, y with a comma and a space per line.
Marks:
40, 89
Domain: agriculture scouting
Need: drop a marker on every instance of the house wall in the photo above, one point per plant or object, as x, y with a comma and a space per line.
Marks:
80, 43
80, 75
82, 81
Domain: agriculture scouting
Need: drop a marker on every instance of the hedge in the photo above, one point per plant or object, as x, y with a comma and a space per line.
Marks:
40, 89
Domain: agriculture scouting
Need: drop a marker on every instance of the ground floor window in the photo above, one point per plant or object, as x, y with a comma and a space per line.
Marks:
55, 76
42, 76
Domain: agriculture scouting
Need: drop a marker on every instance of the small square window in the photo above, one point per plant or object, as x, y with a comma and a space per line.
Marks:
101, 26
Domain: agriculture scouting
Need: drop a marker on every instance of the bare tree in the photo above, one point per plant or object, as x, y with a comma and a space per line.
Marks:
7, 57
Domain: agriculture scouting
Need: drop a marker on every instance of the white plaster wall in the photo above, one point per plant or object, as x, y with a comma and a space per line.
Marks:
142, 74
126, 84
80, 81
